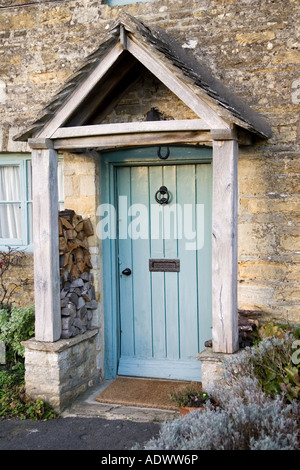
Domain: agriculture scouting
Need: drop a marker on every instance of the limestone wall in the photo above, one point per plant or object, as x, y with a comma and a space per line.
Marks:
252, 45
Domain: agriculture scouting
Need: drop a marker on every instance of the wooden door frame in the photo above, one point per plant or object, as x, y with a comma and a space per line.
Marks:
109, 162
224, 235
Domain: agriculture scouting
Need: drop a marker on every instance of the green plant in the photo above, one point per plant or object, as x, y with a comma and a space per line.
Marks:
16, 325
190, 397
15, 403
244, 421
270, 361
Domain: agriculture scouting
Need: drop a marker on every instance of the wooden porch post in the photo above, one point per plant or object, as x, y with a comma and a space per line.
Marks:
45, 237
224, 244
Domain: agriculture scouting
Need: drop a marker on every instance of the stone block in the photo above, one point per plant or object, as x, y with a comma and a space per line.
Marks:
259, 37
254, 297
211, 365
56, 16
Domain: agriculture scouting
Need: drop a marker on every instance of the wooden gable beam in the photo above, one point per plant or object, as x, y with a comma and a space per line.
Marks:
81, 93
180, 89
132, 134
107, 93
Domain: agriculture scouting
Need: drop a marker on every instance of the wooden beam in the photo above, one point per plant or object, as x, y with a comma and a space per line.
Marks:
224, 247
123, 71
130, 127
181, 90
130, 140
81, 92
46, 250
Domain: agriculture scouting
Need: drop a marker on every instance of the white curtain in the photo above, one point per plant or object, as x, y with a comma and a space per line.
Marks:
10, 214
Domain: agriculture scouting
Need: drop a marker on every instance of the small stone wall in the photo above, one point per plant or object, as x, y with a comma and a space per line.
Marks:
211, 364
59, 372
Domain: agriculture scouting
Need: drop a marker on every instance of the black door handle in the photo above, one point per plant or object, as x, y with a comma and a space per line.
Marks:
126, 272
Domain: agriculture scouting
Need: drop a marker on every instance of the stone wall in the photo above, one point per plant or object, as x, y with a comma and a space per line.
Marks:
251, 45
23, 295
59, 372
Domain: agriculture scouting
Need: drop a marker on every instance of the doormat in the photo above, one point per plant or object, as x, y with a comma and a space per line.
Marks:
143, 393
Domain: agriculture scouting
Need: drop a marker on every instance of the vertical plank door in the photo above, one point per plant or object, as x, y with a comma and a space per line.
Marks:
165, 317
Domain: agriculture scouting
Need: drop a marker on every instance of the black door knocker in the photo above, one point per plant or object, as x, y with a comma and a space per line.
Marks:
161, 156
162, 199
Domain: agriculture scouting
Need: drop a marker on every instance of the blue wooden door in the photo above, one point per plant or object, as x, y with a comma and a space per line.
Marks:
165, 315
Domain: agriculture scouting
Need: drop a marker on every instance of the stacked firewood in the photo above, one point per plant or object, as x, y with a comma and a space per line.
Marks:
248, 324
76, 281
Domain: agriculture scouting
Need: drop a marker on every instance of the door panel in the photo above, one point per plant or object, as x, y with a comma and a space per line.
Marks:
165, 317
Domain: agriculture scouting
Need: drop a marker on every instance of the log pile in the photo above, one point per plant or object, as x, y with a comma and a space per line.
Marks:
77, 295
248, 325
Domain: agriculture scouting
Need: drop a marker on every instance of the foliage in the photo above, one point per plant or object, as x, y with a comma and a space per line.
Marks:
189, 397
9, 260
15, 403
270, 361
258, 401
242, 422
16, 325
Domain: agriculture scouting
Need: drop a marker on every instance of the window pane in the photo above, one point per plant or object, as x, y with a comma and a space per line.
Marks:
9, 183
10, 221
29, 180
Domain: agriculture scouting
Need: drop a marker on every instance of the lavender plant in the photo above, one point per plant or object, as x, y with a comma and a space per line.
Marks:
255, 411
247, 419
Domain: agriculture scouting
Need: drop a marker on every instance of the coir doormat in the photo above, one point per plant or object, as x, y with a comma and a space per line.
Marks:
143, 393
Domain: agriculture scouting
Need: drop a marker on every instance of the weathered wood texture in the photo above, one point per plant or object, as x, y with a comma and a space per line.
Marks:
81, 93
175, 84
45, 235
132, 139
224, 247
131, 127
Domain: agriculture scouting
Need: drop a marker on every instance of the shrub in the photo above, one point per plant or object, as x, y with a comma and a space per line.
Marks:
247, 419
14, 402
258, 403
9, 260
271, 362
16, 325
190, 397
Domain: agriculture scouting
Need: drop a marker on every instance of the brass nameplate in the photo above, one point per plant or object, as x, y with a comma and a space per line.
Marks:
164, 265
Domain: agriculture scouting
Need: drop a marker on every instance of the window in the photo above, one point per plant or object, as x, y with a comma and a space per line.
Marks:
114, 3
16, 200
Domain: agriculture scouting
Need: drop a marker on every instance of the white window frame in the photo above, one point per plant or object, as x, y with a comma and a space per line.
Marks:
20, 160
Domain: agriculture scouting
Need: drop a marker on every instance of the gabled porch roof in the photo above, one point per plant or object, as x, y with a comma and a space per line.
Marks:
115, 66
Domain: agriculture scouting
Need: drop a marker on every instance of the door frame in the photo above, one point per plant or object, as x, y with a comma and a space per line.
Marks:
110, 303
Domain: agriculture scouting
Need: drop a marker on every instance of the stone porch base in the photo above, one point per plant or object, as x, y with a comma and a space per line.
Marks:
211, 363
59, 372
